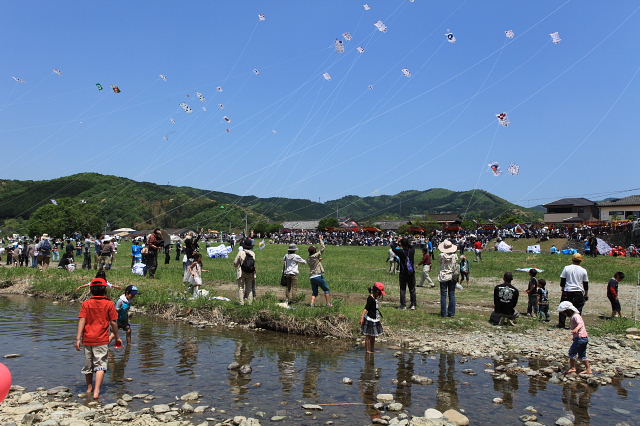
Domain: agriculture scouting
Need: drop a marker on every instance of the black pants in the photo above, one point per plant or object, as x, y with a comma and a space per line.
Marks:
86, 261
575, 297
407, 279
152, 264
177, 253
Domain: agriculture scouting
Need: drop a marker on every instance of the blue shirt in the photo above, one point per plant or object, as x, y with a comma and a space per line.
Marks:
136, 251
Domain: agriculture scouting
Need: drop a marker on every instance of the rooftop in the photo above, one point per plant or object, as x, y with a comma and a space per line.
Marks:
577, 202
632, 200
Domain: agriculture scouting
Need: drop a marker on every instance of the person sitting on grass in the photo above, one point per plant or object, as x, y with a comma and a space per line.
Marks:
578, 349
505, 300
371, 316
612, 294
122, 306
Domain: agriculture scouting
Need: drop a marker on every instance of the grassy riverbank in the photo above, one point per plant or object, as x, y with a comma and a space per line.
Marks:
349, 271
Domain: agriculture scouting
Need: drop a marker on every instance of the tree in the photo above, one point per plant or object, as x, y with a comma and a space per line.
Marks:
328, 222
66, 218
13, 226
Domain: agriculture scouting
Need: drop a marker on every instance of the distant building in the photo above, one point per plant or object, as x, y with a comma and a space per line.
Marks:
302, 225
391, 225
445, 219
620, 209
571, 210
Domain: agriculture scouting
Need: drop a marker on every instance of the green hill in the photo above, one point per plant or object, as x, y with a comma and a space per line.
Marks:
122, 202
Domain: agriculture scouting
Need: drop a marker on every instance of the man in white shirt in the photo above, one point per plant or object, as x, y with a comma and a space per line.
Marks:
574, 282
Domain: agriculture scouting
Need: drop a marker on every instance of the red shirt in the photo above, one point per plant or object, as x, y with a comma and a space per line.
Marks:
478, 245
97, 312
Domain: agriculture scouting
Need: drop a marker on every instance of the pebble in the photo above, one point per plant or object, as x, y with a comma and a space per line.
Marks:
161, 408
233, 366
432, 413
278, 418
498, 400
191, 396
456, 417
421, 380
394, 406
12, 356
312, 407
384, 397
563, 421
347, 380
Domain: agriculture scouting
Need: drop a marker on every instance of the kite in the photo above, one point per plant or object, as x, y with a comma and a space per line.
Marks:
256, 71
57, 71
204, 108
166, 138
18, 79
503, 118
221, 106
228, 130
262, 245
227, 119
201, 97
54, 202
186, 108
172, 121
514, 169
360, 49
274, 131
495, 169
99, 86
219, 89
366, 6
163, 77
406, 72
370, 87
347, 36
327, 76
261, 17
509, 34
450, 37
339, 46
412, 1
115, 88
381, 26
555, 37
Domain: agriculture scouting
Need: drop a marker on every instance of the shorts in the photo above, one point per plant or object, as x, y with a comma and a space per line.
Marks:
95, 359
615, 304
578, 348
124, 325
319, 282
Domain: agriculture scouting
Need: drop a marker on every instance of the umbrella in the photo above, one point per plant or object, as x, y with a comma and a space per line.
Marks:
116, 231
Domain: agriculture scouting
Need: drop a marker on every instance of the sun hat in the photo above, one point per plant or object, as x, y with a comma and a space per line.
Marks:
293, 247
447, 247
46, 236
567, 306
380, 286
98, 282
132, 289
577, 257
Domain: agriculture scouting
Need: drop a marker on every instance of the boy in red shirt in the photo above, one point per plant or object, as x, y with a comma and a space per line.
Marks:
97, 316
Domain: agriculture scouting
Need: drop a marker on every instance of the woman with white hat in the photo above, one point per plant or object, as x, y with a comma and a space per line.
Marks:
291, 272
448, 277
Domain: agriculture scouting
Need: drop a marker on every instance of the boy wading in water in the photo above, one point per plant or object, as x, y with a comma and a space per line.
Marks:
97, 316
371, 316
578, 349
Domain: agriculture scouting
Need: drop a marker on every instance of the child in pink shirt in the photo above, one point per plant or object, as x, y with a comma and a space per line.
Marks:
578, 348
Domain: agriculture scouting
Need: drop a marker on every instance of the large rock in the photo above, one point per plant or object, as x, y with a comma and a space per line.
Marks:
421, 380
384, 397
456, 417
161, 408
191, 396
633, 330
250, 421
563, 421
23, 409
25, 398
423, 421
394, 406
432, 413
57, 389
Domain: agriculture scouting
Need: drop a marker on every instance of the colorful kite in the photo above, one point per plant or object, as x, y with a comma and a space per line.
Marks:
163, 77
327, 76
18, 79
57, 71
450, 37
381, 27
503, 118
495, 168
339, 46
99, 86
186, 108
262, 245
347, 36
360, 49
115, 88
509, 34
406, 72
514, 169
261, 17
555, 37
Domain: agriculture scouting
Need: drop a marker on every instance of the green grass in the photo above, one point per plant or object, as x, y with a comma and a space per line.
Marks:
349, 272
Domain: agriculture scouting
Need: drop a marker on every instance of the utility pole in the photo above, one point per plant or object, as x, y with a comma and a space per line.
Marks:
246, 223
337, 217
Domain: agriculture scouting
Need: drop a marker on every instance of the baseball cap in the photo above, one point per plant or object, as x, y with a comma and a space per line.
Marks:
98, 281
380, 286
577, 257
132, 289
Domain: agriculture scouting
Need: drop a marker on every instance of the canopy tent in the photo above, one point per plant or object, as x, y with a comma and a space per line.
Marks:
125, 230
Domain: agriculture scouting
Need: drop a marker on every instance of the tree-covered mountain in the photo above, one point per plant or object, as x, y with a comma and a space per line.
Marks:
122, 202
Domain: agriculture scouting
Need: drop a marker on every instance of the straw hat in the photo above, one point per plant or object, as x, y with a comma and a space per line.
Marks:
447, 247
45, 236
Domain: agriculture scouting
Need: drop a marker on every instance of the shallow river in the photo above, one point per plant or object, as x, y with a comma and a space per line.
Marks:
168, 359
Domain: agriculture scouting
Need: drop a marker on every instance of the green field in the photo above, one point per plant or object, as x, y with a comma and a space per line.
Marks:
349, 272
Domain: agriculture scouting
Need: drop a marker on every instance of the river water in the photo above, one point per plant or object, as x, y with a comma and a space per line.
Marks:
168, 359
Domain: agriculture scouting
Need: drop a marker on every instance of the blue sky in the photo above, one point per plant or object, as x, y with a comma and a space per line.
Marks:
573, 106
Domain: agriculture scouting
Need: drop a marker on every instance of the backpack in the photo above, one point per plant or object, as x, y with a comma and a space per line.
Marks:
45, 247
248, 265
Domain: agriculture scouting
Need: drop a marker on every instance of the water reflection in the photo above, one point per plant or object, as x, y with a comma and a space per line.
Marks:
447, 394
404, 371
287, 369
187, 348
369, 385
239, 380
576, 398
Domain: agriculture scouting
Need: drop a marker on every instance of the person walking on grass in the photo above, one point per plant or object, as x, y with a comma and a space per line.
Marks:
291, 272
154, 245
574, 282
316, 274
407, 276
532, 292
371, 316
465, 269
44, 248
477, 248
97, 316
612, 294
426, 267
195, 274
578, 349
543, 301
448, 277
245, 263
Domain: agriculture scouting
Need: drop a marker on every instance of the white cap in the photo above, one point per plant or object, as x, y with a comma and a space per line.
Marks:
566, 306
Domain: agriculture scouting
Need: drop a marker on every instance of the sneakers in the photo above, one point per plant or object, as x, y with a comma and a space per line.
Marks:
413, 307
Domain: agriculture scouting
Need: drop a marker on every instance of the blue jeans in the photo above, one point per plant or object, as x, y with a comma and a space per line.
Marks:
447, 287
319, 282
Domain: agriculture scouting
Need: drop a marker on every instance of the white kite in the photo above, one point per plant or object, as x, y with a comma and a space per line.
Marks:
57, 71
347, 36
221, 106
450, 37
360, 49
555, 37
186, 108
163, 77
495, 168
381, 27
366, 6
261, 17
503, 118
256, 71
509, 34
227, 119
228, 130
204, 108
172, 120
201, 97
18, 79
406, 72
339, 46
274, 131
514, 169
370, 87
54, 202
327, 76
219, 89
166, 138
